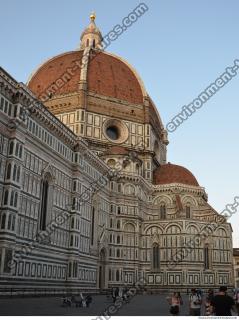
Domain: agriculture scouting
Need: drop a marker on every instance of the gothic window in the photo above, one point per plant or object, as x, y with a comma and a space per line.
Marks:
15, 199
118, 239
117, 275
17, 148
156, 256
3, 221
14, 172
109, 274
94, 43
11, 147
9, 222
188, 212
206, 257
92, 226
9, 168
72, 223
44, 202
5, 201
118, 253
118, 210
118, 224
20, 152
18, 174
163, 211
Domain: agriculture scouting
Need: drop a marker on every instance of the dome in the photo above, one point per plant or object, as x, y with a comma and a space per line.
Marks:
107, 75
171, 173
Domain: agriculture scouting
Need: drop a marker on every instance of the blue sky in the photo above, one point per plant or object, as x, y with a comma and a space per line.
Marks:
178, 48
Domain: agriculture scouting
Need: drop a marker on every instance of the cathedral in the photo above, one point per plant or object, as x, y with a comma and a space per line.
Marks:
88, 200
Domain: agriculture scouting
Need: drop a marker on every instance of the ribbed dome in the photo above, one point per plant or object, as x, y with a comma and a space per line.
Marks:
171, 173
107, 75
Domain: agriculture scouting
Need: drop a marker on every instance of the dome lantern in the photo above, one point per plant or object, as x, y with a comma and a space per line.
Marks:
91, 36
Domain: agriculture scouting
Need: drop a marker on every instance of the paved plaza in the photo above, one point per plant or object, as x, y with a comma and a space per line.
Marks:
140, 305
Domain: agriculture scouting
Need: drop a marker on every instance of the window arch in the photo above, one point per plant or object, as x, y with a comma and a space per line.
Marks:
3, 221
206, 257
14, 172
156, 256
11, 198
17, 148
118, 224
11, 146
9, 168
18, 173
162, 211
15, 199
5, 201
44, 203
20, 152
188, 211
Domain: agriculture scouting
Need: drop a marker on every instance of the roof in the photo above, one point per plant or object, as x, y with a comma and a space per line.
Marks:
172, 173
107, 75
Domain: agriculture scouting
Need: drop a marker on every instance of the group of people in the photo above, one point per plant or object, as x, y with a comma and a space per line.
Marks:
120, 293
81, 301
219, 304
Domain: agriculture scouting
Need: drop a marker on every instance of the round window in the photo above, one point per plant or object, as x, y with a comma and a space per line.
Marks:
115, 130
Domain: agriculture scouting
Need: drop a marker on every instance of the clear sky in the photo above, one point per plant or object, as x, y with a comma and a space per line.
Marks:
178, 48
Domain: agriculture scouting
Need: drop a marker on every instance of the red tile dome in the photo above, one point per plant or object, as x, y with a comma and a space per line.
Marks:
172, 173
107, 75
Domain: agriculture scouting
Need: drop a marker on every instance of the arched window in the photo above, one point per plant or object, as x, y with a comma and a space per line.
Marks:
117, 275
118, 239
9, 168
92, 225
18, 174
94, 43
13, 223
17, 148
3, 221
188, 212
11, 147
72, 223
9, 222
20, 152
206, 257
44, 201
5, 201
118, 253
118, 224
14, 172
15, 199
156, 256
163, 211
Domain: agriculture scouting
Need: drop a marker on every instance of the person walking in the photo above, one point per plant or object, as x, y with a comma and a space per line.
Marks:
222, 303
195, 302
208, 303
175, 302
